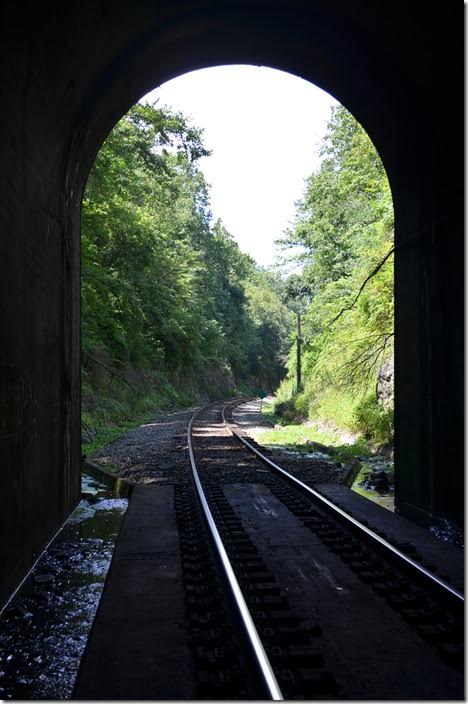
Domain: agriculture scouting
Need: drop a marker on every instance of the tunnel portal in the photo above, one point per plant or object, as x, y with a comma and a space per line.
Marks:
71, 70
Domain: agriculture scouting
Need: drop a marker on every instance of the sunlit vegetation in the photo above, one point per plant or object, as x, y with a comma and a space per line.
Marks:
344, 230
301, 436
171, 308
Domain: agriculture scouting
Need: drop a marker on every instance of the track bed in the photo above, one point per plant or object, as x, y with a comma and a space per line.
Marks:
332, 617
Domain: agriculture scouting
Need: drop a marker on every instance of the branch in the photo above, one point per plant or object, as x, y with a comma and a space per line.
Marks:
167, 273
366, 359
363, 285
87, 430
112, 372
373, 336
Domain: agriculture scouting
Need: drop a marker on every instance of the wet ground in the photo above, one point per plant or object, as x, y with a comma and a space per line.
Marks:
448, 532
375, 481
43, 631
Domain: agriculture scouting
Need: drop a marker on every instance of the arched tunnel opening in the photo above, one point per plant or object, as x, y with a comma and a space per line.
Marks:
147, 227
70, 76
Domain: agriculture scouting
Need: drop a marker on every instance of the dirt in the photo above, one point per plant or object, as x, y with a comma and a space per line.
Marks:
150, 453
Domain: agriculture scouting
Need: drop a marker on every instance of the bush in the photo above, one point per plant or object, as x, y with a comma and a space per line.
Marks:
286, 390
373, 420
286, 410
301, 404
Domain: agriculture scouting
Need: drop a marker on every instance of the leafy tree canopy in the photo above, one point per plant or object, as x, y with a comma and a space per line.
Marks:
162, 288
344, 226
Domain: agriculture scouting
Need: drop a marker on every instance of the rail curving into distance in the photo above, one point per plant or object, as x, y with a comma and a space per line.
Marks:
263, 664
431, 581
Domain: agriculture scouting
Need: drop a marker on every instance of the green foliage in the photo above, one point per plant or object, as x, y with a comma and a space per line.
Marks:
344, 227
287, 410
373, 420
163, 289
111, 409
299, 437
335, 405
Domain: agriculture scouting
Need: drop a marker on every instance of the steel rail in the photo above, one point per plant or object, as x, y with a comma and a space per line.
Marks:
433, 580
262, 661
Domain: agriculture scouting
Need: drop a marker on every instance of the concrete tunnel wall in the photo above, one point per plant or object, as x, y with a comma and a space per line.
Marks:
71, 70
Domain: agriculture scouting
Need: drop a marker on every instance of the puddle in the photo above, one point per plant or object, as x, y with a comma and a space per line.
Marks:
375, 481
43, 631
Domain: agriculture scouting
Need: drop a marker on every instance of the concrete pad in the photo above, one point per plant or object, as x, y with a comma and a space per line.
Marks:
139, 644
447, 558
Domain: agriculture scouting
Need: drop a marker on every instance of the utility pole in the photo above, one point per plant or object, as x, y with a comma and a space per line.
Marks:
298, 365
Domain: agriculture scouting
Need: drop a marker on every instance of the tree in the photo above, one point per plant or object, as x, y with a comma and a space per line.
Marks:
162, 288
344, 225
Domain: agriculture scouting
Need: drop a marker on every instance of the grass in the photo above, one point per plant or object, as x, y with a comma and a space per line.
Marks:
297, 436
268, 408
104, 434
110, 412
336, 406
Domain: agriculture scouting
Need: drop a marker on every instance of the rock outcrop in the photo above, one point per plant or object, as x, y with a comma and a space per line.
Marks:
385, 385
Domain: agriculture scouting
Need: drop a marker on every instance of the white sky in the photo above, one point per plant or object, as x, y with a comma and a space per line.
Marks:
263, 127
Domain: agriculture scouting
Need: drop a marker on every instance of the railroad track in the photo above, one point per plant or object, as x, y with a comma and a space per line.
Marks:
264, 640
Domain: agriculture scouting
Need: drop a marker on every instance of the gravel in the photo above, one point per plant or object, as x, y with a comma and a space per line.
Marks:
310, 467
149, 454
